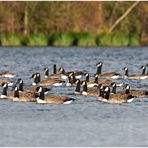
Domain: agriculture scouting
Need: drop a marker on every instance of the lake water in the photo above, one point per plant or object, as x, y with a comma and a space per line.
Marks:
86, 122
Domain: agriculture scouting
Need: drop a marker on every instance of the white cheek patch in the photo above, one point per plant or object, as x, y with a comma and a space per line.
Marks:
106, 89
5, 85
40, 89
16, 89
128, 87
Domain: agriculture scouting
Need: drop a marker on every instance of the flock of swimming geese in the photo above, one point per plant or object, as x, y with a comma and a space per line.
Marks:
99, 85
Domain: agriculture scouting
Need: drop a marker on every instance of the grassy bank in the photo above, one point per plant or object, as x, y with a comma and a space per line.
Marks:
70, 39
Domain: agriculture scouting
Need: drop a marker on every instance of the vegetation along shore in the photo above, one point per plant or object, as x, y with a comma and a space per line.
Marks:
72, 23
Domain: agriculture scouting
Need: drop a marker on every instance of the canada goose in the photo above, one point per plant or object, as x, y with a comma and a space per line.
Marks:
30, 89
23, 96
4, 94
114, 87
99, 68
54, 69
104, 82
134, 76
135, 93
7, 74
78, 87
78, 74
70, 81
147, 68
138, 93
89, 91
47, 82
53, 99
52, 76
112, 75
9, 82
143, 67
91, 83
115, 98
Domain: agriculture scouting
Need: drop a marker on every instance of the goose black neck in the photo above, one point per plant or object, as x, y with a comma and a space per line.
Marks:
143, 71
126, 72
87, 78
106, 94
42, 96
70, 79
73, 78
21, 86
54, 69
96, 79
78, 87
46, 72
16, 93
37, 80
114, 89
5, 91
85, 87
101, 93
127, 91
99, 70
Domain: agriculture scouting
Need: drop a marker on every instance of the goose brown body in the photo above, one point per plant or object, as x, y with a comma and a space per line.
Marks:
45, 82
7, 74
9, 82
120, 97
113, 75
89, 91
134, 76
52, 76
52, 99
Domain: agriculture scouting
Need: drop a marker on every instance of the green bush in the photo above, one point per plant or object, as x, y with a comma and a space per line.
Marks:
70, 39
36, 40
11, 40
120, 40
134, 40
85, 39
62, 39
104, 39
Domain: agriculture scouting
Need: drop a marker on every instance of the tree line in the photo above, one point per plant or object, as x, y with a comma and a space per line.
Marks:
50, 18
